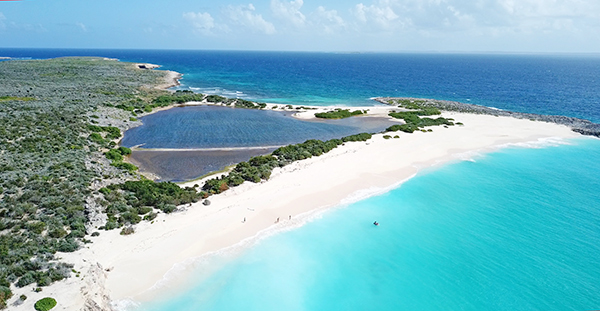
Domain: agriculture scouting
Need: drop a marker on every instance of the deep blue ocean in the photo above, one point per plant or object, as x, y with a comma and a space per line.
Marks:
545, 84
517, 229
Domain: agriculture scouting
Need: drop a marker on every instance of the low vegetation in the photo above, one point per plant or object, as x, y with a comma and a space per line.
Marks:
51, 144
412, 118
259, 168
339, 114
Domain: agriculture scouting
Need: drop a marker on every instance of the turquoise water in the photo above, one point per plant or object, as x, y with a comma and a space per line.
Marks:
517, 229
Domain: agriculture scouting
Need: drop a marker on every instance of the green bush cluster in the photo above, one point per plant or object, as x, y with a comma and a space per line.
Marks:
5, 294
116, 155
45, 304
110, 133
179, 97
260, 167
134, 201
242, 103
339, 114
409, 103
413, 120
138, 104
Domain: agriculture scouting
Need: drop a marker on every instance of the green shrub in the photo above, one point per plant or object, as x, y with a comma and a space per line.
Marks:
97, 138
357, 137
114, 154
129, 217
124, 151
150, 216
26, 279
68, 245
338, 114
260, 167
407, 128
215, 99
45, 304
127, 231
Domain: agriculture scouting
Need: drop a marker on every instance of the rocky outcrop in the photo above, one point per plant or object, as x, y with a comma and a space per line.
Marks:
581, 126
95, 295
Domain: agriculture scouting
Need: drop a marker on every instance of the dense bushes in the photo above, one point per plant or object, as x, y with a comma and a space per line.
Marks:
150, 193
134, 201
339, 114
116, 155
179, 97
242, 103
5, 294
259, 168
45, 138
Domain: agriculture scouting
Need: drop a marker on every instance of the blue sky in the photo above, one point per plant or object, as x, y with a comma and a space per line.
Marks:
306, 25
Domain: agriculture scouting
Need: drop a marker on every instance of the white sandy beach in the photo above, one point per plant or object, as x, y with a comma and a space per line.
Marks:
116, 267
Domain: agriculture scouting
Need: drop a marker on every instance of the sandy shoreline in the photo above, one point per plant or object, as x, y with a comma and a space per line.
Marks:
130, 265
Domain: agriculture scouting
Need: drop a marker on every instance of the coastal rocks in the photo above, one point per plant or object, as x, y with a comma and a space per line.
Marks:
581, 126
147, 66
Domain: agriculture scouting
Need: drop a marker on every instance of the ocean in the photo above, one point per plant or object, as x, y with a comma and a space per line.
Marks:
516, 229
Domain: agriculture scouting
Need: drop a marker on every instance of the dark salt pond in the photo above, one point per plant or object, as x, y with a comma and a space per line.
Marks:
219, 127
187, 165
214, 127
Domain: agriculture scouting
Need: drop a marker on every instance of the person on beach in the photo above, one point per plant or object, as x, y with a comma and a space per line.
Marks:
276, 221
290, 217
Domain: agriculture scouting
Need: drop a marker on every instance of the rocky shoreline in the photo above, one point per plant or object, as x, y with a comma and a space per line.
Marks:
581, 126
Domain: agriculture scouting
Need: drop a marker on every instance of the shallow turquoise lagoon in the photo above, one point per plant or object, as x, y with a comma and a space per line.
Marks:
517, 229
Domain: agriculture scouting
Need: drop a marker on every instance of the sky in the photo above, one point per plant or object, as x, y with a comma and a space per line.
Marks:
528, 26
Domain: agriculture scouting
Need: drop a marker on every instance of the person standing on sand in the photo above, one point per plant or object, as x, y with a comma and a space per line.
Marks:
290, 217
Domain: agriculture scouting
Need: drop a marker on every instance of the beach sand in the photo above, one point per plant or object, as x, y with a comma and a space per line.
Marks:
115, 267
